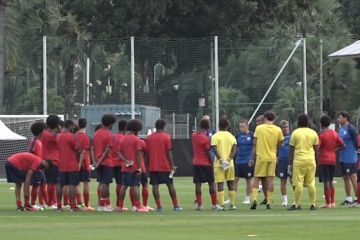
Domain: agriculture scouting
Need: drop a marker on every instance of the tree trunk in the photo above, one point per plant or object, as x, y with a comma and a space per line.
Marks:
2, 54
69, 91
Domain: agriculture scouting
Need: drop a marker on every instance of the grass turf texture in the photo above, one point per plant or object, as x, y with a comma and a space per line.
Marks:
277, 223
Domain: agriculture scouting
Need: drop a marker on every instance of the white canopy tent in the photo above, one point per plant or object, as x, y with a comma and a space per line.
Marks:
350, 51
7, 134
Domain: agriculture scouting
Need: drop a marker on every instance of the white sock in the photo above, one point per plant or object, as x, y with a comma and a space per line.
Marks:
349, 199
284, 198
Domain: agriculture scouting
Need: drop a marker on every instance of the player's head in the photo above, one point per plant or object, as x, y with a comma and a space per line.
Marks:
53, 122
260, 120
134, 126
46, 165
122, 125
223, 124
160, 124
108, 120
325, 121
284, 125
270, 116
82, 123
69, 125
37, 128
98, 127
343, 117
303, 120
204, 124
244, 126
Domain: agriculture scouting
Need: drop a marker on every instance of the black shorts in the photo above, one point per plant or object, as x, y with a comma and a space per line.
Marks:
117, 175
243, 170
52, 176
38, 178
85, 175
104, 174
69, 178
143, 179
282, 170
358, 175
130, 179
326, 173
157, 178
13, 174
203, 174
348, 168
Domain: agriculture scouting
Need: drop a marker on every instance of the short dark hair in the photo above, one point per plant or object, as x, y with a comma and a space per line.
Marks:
82, 123
97, 127
270, 115
134, 126
37, 128
122, 125
108, 119
223, 123
303, 120
160, 124
53, 121
205, 124
50, 163
69, 124
325, 121
344, 115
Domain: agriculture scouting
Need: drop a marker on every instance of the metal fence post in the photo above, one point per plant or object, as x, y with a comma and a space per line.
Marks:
44, 77
173, 126
132, 78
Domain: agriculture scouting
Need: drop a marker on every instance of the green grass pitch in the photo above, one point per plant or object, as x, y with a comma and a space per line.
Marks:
277, 223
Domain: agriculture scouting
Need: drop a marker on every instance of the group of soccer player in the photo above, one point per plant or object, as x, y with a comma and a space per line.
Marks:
61, 156
271, 151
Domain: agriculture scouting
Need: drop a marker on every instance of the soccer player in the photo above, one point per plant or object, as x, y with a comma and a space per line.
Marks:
267, 138
19, 169
161, 164
262, 187
144, 179
38, 179
50, 152
329, 143
85, 170
302, 159
203, 171
348, 155
118, 162
357, 203
224, 145
131, 152
103, 142
283, 161
244, 150
69, 164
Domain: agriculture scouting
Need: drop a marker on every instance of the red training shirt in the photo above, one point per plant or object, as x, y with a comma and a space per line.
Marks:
118, 162
329, 141
36, 147
68, 152
143, 149
25, 161
84, 142
103, 138
158, 144
131, 144
49, 145
201, 147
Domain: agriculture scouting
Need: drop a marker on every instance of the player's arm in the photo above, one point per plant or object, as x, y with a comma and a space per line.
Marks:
27, 183
316, 151
291, 159
103, 156
171, 160
253, 154
81, 158
92, 155
138, 161
233, 151
217, 154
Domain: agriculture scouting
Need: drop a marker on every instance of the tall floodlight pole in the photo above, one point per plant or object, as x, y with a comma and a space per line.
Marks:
44, 77
305, 77
216, 70
321, 78
132, 78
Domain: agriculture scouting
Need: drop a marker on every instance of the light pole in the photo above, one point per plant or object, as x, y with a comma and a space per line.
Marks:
163, 72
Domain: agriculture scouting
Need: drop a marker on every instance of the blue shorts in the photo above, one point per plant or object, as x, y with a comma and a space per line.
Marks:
52, 176
282, 169
348, 168
117, 175
242, 170
84, 175
104, 174
326, 173
143, 179
69, 178
130, 179
13, 174
203, 174
157, 178
38, 178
